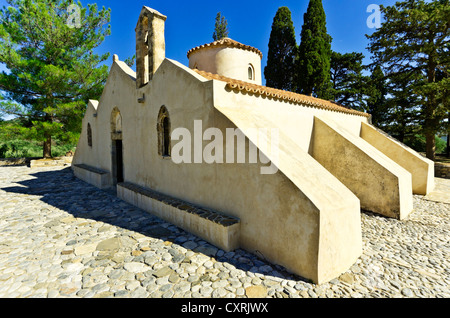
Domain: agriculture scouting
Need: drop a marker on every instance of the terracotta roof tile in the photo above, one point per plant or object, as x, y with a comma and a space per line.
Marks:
225, 42
280, 94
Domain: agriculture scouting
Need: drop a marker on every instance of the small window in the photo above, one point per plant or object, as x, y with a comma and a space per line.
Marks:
163, 128
166, 141
89, 135
251, 72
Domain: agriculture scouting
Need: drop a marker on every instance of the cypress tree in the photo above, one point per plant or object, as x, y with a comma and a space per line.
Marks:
313, 72
220, 27
280, 69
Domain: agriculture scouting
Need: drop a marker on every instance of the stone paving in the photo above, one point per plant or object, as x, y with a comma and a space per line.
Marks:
60, 237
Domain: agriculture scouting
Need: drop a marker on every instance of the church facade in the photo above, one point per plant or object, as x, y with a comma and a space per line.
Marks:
210, 149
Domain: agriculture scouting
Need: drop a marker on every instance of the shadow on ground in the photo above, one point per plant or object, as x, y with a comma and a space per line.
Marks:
61, 189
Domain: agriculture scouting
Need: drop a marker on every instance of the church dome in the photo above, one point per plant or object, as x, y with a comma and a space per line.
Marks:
228, 58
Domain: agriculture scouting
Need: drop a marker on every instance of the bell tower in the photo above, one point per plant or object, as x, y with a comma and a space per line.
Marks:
150, 44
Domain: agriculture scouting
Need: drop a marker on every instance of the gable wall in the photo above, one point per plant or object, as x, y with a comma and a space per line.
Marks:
278, 221
296, 121
119, 92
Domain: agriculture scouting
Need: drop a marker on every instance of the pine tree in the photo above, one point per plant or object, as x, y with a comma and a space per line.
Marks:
313, 72
220, 27
280, 70
412, 44
347, 81
53, 70
401, 114
377, 96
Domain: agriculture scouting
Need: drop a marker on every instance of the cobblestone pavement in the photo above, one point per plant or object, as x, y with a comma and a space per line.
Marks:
60, 237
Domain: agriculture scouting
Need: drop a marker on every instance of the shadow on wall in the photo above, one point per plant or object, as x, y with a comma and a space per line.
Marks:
61, 189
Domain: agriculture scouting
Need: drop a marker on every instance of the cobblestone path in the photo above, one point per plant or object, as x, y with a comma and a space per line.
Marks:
61, 237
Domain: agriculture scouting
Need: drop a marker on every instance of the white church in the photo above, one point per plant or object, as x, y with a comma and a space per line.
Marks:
141, 138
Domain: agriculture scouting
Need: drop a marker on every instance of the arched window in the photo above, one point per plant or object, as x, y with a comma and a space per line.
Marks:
251, 72
89, 135
163, 128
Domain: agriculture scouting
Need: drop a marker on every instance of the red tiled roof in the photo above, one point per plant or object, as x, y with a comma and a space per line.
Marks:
280, 94
225, 42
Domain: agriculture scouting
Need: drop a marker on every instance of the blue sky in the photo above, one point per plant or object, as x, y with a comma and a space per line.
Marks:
191, 23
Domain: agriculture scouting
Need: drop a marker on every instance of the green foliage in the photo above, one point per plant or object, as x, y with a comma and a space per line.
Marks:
403, 108
53, 70
130, 60
314, 52
376, 97
280, 70
413, 45
19, 148
418, 143
14, 145
220, 27
407, 92
347, 81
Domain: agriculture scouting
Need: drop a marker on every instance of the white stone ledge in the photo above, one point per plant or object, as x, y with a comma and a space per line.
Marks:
92, 175
216, 228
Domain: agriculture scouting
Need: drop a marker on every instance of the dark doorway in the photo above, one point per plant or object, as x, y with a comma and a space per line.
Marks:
117, 160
